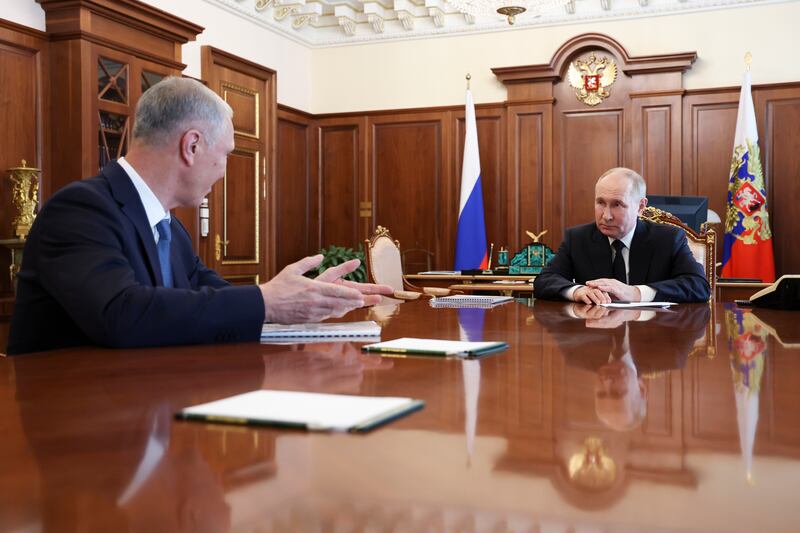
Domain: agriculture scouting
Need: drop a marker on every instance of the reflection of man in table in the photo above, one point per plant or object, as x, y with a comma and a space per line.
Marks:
619, 257
621, 346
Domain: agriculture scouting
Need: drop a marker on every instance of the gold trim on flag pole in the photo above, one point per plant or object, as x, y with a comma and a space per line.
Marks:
468, 78
748, 58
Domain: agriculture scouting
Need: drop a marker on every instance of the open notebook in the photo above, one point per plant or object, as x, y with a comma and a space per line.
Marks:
303, 410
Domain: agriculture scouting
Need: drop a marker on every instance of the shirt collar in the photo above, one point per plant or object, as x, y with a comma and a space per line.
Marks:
152, 206
626, 239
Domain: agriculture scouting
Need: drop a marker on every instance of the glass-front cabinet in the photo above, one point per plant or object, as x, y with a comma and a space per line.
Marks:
104, 55
121, 81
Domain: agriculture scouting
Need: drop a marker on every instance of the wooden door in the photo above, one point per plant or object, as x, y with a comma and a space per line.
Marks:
240, 241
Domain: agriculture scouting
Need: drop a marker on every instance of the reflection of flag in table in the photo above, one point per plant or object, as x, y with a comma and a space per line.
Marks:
747, 247
470, 325
748, 343
471, 232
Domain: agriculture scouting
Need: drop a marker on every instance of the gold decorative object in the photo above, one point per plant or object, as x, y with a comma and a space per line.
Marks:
535, 236
591, 467
508, 8
25, 196
590, 78
511, 12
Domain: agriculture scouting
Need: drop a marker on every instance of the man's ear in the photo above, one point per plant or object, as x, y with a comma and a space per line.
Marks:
189, 146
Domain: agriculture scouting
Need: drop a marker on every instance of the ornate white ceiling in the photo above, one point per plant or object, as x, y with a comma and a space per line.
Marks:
341, 22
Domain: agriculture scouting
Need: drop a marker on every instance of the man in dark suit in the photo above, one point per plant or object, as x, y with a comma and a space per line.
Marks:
619, 257
105, 263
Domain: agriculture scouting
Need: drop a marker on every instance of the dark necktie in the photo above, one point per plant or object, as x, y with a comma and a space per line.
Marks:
164, 239
618, 266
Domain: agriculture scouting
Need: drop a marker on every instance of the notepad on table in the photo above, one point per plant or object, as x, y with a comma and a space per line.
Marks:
303, 410
320, 329
469, 300
413, 346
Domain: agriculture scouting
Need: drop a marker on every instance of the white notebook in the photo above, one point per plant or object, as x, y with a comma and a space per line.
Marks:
303, 410
437, 347
470, 300
349, 330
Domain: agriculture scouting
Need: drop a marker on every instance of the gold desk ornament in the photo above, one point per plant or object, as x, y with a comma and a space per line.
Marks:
590, 78
25, 196
532, 258
591, 467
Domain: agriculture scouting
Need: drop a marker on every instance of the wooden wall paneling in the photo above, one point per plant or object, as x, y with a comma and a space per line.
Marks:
71, 117
340, 167
778, 398
412, 179
708, 127
588, 144
24, 131
778, 115
656, 141
491, 143
588, 139
708, 403
295, 187
529, 172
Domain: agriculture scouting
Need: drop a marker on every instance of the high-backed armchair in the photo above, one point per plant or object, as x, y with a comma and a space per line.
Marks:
384, 265
703, 244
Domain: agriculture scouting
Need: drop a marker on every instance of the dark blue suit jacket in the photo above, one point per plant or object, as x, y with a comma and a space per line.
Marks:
90, 275
659, 257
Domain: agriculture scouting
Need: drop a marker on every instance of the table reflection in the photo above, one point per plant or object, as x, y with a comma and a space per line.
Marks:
528, 439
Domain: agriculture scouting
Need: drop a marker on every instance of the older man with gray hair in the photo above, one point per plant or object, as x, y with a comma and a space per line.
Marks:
619, 257
106, 264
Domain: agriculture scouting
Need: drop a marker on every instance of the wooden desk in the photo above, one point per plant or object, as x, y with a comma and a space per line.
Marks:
89, 442
431, 280
506, 289
738, 291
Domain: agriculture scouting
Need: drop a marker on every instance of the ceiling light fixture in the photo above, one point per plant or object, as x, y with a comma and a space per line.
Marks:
508, 8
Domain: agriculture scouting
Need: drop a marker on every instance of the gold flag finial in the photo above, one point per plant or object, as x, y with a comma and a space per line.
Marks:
469, 77
748, 58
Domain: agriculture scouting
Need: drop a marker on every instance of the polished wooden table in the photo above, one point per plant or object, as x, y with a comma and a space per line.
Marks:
506, 285
679, 420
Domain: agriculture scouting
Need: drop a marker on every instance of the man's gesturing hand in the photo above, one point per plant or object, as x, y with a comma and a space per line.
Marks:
292, 298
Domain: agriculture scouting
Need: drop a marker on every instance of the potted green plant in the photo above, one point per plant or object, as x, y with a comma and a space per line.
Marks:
336, 255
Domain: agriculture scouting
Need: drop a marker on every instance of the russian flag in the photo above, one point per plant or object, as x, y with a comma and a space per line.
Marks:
747, 245
471, 233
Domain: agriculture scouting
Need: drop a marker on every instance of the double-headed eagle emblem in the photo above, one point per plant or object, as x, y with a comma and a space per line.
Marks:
591, 78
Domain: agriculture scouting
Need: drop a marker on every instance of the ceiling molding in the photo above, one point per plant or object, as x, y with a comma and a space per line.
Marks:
331, 23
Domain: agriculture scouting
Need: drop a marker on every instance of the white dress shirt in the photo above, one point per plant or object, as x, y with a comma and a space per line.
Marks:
152, 206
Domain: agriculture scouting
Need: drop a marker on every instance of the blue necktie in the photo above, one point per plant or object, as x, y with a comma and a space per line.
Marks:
164, 238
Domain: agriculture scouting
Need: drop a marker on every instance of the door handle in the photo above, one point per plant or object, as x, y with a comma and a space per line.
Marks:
218, 246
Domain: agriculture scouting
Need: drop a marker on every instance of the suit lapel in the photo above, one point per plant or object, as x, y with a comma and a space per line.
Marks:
125, 194
640, 255
600, 253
